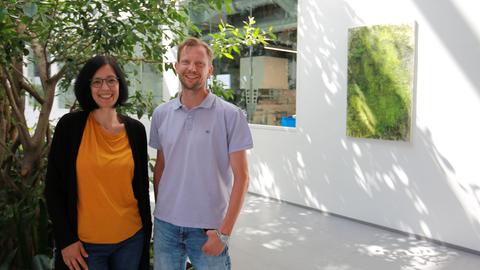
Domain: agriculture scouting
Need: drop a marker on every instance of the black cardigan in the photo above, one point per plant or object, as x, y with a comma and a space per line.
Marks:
61, 180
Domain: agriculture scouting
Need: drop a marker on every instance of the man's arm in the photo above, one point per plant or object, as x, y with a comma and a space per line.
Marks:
238, 162
158, 171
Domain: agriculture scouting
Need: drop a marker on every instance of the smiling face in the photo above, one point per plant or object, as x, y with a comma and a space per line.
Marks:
193, 68
104, 86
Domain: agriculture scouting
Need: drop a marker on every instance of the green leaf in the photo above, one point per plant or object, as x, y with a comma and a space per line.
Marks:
257, 31
235, 48
228, 55
228, 6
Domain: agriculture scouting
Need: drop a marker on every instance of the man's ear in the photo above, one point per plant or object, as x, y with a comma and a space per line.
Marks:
210, 70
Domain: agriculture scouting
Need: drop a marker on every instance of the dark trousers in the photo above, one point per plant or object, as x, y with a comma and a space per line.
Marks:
124, 255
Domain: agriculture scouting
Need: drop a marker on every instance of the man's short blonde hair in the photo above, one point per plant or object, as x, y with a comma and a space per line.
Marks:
192, 42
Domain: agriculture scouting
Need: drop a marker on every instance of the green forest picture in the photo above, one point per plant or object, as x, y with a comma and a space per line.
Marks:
380, 81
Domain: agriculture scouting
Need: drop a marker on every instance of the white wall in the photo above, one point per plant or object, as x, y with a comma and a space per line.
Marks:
429, 186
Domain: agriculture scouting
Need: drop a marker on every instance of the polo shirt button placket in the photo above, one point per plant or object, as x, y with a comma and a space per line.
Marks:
189, 121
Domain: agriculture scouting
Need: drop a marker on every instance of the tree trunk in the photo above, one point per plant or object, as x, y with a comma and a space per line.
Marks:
3, 125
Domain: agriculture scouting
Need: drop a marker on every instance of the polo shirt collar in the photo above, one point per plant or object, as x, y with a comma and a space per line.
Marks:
206, 103
176, 103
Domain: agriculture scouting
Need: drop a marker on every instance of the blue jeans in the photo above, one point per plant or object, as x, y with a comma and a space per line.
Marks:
123, 255
172, 245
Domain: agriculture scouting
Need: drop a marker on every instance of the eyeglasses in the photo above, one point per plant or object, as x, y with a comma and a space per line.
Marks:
110, 81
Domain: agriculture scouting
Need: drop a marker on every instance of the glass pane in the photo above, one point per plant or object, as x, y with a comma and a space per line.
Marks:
263, 78
144, 77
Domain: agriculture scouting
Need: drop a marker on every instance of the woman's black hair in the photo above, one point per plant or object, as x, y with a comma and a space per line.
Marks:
82, 89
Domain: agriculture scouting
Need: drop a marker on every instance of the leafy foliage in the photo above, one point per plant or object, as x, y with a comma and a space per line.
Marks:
139, 104
218, 88
24, 217
380, 75
230, 39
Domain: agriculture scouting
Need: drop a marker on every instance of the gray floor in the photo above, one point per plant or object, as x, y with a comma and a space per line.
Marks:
274, 235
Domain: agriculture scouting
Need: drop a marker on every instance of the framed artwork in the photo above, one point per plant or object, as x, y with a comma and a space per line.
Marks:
381, 63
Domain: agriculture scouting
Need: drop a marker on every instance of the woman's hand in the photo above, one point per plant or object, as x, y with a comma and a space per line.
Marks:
73, 256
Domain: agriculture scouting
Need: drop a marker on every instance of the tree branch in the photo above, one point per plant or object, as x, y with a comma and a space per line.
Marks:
48, 85
13, 86
140, 59
25, 84
44, 116
22, 123
4, 169
40, 59
29, 88
54, 15
4, 121
55, 78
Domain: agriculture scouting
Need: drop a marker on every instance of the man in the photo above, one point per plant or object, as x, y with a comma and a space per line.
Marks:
200, 140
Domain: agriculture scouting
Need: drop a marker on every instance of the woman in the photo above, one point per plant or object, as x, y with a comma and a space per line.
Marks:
97, 179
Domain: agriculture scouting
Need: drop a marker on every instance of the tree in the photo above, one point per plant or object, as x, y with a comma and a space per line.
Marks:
66, 33
58, 36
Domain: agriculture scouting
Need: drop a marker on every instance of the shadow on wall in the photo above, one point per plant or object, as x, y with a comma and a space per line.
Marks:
456, 34
386, 177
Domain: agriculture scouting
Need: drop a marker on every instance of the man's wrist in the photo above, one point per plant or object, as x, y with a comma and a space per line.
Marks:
225, 239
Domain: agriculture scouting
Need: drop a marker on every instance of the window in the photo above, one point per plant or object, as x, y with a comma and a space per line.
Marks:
263, 78
144, 77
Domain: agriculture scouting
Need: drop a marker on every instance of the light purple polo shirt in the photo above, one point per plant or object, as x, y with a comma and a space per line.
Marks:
197, 179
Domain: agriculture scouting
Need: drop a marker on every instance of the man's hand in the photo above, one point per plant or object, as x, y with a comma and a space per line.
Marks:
73, 256
213, 246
